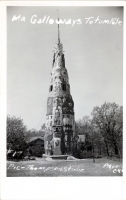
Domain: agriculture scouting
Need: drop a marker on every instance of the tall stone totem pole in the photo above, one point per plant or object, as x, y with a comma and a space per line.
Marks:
60, 122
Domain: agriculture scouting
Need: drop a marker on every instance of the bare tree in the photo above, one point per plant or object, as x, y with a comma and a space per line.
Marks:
109, 120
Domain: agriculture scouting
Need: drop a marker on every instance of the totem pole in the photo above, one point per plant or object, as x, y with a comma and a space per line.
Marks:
60, 121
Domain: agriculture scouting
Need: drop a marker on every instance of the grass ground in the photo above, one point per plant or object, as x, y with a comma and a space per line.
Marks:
41, 167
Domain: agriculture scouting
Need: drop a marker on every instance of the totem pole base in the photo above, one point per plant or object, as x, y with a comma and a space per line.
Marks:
56, 157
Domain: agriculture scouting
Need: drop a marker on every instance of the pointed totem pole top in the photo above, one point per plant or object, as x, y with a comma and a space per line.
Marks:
58, 29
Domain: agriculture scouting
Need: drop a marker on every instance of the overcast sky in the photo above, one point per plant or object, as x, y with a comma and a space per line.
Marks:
93, 57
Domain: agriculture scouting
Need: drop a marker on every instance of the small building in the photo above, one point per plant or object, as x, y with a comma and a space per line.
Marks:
35, 146
81, 138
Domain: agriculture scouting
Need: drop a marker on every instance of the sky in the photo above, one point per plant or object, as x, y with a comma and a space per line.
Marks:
93, 58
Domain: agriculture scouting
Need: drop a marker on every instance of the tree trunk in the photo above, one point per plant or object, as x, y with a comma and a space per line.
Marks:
107, 148
120, 156
100, 150
93, 155
116, 149
119, 151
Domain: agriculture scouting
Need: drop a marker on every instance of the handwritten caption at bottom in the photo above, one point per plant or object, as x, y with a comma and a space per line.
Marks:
45, 169
114, 168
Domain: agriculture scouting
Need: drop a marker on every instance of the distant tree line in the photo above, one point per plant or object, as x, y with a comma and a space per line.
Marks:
18, 135
103, 131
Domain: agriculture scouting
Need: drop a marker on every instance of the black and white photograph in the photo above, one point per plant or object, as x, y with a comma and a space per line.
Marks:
64, 91
62, 100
